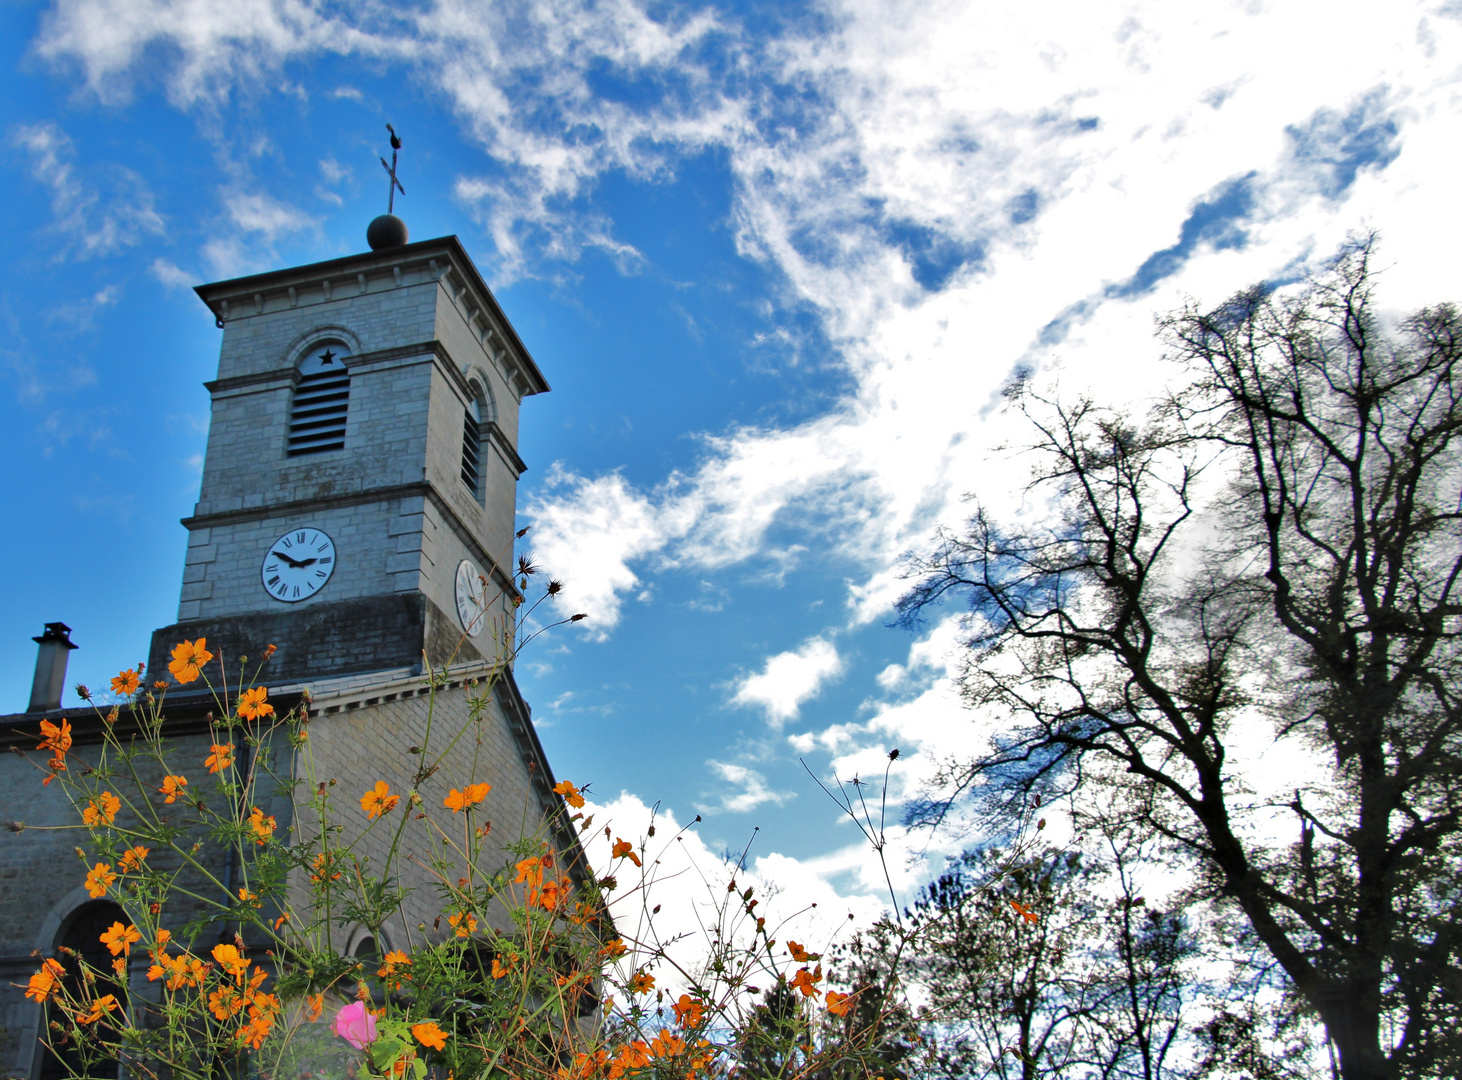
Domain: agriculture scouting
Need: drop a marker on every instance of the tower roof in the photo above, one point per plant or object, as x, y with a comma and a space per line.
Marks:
443, 257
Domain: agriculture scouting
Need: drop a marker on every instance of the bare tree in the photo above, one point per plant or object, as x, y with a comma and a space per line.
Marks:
1266, 565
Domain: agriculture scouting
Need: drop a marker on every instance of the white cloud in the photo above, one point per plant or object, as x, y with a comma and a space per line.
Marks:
752, 790
96, 225
170, 275
790, 678
260, 213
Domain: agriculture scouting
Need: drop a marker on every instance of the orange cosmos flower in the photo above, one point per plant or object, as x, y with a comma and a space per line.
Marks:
428, 1034
393, 965
55, 737
102, 810
119, 939
801, 955
666, 1045
248, 896
613, 949
99, 879
570, 794
498, 970
642, 983
623, 849
379, 800
125, 683
229, 958
188, 658
839, 1004
43, 983
1025, 913
263, 827
464, 923
688, 1011
221, 758
252, 705
531, 871
805, 981
132, 858
172, 787
98, 1008
315, 1003
457, 801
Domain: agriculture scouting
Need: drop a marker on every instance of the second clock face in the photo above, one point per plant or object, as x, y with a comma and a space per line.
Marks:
298, 565
471, 608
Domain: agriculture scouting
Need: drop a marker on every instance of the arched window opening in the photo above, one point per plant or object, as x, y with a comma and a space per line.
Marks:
472, 444
82, 937
317, 413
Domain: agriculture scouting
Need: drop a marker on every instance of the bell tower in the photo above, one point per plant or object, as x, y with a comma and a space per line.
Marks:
359, 489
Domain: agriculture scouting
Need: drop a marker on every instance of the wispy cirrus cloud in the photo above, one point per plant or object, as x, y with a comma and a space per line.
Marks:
97, 215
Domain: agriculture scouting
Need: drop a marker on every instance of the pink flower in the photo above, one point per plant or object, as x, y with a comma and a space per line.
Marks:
355, 1025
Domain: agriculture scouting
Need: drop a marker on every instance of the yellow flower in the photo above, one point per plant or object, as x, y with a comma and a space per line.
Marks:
119, 939
102, 810
379, 800
221, 758
43, 982
464, 923
457, 801
133, 857
428, 1034
99, 879
252, 705
263, 827
172, 787
99, 1008
570, 794
125, 683
188, 658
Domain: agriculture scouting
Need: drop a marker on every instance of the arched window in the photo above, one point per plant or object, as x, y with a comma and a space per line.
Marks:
82, 937
317, 413
472, 444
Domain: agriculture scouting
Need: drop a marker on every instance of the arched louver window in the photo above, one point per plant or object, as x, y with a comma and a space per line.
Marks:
472, 445
317, 414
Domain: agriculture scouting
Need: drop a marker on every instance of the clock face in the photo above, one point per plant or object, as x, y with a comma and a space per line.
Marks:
297, 565
471, 590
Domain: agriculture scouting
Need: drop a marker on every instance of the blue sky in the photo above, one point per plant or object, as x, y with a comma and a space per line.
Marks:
776, 261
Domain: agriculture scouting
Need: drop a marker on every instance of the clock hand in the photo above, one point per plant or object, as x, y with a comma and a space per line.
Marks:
286, 558
307, 562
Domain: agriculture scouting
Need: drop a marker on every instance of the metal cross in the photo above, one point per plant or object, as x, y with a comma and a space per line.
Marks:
391, 172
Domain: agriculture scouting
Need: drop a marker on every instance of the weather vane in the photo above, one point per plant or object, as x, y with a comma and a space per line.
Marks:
391, 172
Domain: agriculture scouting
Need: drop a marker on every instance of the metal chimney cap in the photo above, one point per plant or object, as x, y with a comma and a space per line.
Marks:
58, 632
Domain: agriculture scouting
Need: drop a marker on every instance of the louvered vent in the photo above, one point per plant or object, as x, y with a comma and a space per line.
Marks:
317, 414
471, 448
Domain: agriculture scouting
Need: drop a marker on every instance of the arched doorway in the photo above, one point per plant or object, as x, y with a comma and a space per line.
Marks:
82, 934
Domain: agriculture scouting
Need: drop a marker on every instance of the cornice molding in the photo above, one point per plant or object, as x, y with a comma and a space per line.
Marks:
442, 261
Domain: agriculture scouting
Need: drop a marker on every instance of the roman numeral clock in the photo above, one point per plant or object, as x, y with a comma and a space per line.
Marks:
298, 565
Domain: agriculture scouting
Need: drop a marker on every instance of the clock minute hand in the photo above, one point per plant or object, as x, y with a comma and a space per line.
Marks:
287, 559
307, 562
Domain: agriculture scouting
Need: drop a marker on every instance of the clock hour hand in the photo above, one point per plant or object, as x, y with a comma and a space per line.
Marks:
307, 562
292, 562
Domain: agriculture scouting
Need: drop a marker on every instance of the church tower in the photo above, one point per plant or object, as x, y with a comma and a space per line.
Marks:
361, 465
357, 513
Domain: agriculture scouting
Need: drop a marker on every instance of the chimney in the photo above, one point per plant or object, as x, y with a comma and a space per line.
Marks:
45, 691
